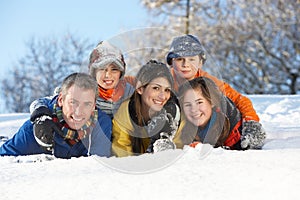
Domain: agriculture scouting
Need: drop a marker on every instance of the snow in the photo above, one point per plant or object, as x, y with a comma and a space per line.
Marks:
200, 173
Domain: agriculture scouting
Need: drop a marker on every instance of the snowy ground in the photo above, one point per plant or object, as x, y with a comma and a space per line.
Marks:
201, 173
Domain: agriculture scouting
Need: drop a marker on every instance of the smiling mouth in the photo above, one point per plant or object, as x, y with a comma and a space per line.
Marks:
198, 116
185, 72
77, 120
158, 102
108, 82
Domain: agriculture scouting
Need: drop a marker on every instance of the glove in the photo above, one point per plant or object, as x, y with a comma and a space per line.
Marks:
164, 143
253, 135
40, 111
162, 126
44, 127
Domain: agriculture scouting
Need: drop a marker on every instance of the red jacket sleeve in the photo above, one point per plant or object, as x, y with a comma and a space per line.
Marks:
243, 103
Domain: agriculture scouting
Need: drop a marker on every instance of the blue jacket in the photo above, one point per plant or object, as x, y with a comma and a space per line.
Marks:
96, 143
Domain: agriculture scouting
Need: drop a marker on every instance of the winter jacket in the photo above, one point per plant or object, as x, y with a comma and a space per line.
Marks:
223, 129
131, 139
96, 143
242, 103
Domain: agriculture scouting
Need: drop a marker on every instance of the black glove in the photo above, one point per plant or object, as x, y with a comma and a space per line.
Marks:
40, 111
44, 127
253, 135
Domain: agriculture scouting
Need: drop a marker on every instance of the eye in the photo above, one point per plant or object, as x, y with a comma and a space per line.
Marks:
88, 104
155, 88
73, 102
199, 102
115, 69
168, 90
187, 105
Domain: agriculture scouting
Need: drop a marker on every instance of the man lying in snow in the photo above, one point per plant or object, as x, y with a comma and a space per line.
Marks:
69, 127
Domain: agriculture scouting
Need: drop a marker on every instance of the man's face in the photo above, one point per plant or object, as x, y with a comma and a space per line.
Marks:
187, 67
77, 106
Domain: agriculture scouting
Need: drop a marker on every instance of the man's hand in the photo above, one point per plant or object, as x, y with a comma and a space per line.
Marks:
43, 131
40, 111
44, 127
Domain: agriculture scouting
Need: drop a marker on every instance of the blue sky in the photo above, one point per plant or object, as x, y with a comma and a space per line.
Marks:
94, 19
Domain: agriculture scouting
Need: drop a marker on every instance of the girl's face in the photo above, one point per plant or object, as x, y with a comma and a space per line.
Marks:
187, 67
197, 109
109, 77
155, 94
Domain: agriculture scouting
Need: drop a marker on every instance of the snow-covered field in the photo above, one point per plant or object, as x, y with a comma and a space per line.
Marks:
201, 173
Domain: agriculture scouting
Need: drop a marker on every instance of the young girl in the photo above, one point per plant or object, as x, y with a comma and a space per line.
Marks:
209, 116
148, 120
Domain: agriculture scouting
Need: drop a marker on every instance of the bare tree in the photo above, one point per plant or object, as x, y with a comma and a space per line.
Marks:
43, 68
253, 45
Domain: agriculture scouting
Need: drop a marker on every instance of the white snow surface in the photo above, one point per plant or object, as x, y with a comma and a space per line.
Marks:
192, 173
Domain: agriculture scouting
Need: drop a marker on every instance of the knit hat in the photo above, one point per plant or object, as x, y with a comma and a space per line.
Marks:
151, 70
185, 46
104, 54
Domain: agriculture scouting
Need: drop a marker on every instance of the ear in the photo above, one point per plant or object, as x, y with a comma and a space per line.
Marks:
138, 84
140, 90
60, 100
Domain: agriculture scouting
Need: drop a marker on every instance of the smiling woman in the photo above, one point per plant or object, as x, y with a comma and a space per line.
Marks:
147, 121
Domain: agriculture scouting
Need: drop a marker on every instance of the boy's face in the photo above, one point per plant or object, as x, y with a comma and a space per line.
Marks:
197, 109
109, 77
187, 67
77, 106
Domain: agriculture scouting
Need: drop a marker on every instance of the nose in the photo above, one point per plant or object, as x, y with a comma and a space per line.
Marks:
185, 63
194, 108
78, 110
107, 73
162, 95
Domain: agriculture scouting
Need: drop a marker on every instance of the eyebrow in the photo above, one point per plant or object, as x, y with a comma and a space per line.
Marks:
157, 84
72, 99
196, 100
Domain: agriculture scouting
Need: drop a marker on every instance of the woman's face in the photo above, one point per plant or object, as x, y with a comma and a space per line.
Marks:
109, 77
197, 109
155, 94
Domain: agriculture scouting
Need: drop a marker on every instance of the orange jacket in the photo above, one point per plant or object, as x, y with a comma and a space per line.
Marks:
242, 103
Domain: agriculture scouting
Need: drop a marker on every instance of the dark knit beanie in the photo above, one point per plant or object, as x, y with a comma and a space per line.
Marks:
104, 54
185, 46
151, 70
